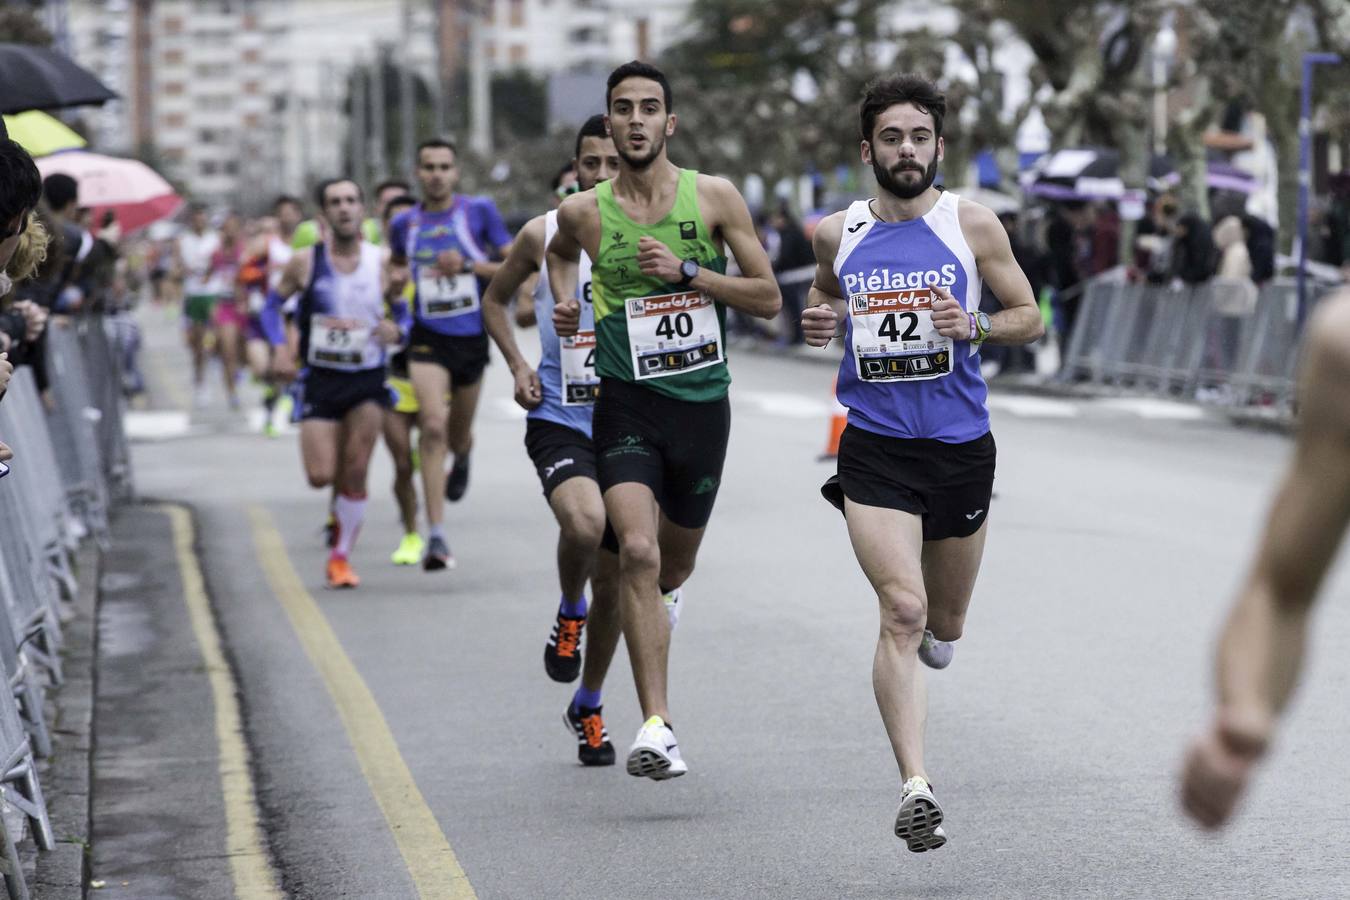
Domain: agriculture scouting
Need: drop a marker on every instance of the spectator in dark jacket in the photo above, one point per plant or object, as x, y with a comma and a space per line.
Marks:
1194, 256
22, 244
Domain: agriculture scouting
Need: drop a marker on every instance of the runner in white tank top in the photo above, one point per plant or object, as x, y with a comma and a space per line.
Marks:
344, 336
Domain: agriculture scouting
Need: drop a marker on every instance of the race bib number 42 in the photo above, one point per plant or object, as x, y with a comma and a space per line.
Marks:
673, 333
444, 296
894, 338
337, 343
580, 385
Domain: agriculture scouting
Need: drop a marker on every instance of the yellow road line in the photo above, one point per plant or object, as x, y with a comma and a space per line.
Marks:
430, 860
250, 866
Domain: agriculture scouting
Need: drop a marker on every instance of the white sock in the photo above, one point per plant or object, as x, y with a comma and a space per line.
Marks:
350, 512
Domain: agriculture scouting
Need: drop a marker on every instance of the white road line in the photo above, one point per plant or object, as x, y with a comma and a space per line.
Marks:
1149, 408
156, 425
788, 406
1042, 407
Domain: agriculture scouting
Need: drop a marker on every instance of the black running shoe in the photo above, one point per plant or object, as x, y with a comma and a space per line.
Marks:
562, 653
457, 479
438, 555
593, 746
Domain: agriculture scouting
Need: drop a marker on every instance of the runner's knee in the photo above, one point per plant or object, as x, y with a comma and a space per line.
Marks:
581, 525
433, 430
904, 612
639, 555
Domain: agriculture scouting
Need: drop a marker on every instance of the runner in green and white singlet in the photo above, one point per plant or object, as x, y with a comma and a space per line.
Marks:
655, 235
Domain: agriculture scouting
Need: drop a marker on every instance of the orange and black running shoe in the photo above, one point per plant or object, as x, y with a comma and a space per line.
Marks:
593, 746
562, 654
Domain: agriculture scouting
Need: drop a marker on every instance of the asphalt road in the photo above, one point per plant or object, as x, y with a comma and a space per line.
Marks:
1118, 534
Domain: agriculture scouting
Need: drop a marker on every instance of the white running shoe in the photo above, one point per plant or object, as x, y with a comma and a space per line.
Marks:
654, 753
673, 599
919, 822
935, 654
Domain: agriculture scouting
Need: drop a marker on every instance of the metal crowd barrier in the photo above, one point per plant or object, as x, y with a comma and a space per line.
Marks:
1224, 341
70, 461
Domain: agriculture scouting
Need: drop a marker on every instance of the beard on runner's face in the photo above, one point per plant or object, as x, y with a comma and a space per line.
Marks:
899, 180
638, 159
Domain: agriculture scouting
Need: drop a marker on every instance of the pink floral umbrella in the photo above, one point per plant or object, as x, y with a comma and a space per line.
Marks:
134, 192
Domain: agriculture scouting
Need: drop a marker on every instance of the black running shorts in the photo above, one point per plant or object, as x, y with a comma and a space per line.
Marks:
675, 447
464, 357
948, 485
558, 453
325, 394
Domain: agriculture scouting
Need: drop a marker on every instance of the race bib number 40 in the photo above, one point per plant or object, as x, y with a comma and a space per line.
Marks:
445, 296
337, 343
580, 385
894, 338
673, 333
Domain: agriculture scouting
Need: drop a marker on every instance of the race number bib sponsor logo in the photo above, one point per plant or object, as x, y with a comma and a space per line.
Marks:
336, 343
673, 333
445, 296
580, 384
894, 338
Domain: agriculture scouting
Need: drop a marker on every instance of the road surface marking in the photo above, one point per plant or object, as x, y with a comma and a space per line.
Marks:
250, 865
431, 862
156, 425
782, 404
1044, 407
1150, 408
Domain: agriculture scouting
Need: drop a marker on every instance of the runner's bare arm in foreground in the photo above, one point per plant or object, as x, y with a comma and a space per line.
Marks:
1262, 645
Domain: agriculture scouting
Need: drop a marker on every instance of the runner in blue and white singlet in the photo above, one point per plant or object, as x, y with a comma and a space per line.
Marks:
445, 247
560, 397
567, 378
345, 334
898, 376
916, 460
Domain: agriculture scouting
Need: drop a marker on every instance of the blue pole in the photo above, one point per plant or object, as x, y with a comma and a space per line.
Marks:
1305, 171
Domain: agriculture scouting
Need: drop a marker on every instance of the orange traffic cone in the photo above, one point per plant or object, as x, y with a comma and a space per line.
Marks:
838, 419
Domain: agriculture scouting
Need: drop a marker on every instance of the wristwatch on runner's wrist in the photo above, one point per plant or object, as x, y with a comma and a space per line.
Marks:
688, 271
980, 326
467, 267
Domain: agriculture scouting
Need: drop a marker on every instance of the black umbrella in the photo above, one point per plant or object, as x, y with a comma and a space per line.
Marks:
40, 78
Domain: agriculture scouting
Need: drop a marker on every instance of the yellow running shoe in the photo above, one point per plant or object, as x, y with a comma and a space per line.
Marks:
409, 552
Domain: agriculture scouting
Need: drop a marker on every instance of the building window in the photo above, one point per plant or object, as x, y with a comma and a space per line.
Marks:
173, 57
173, 25
231, 167
252, 120
517, 15
490, 50
252, 87
175, 120
208, 167
173, 88
251, 55
517, 54
206, 136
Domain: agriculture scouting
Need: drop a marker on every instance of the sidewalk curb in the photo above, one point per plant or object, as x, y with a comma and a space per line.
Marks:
61, 874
